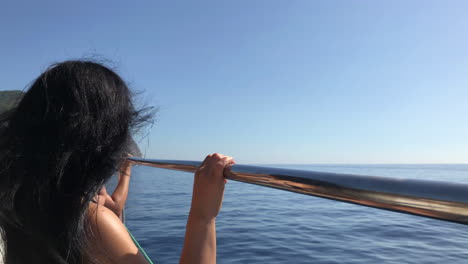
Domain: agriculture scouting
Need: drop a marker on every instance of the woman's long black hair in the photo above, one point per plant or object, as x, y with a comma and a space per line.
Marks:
62, 142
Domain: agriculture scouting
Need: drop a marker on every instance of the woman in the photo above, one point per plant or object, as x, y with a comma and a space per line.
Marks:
58, 148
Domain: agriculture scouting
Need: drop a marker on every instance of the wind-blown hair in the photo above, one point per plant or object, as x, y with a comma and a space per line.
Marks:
63, 141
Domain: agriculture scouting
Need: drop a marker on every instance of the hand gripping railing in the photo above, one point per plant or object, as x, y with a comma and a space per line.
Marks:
440, 200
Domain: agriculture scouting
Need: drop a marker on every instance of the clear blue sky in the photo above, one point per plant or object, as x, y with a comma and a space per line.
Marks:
269, 81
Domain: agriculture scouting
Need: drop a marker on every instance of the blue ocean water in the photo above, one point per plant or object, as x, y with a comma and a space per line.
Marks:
263, 225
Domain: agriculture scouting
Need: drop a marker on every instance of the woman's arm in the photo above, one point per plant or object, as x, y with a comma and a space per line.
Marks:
116, 201
208, 191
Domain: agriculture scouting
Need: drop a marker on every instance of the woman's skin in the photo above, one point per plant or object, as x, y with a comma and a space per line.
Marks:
114, 244
116, 201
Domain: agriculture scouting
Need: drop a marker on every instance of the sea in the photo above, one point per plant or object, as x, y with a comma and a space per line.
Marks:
263, 225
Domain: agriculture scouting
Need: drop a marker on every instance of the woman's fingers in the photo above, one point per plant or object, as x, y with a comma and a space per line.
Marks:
217, 162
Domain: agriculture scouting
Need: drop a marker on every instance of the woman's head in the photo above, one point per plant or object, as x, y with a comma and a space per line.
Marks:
62, 142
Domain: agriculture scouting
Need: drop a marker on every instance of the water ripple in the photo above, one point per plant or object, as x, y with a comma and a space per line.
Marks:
261, 225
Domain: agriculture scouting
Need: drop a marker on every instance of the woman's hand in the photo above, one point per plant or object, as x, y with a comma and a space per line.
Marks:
126, 167
208, 187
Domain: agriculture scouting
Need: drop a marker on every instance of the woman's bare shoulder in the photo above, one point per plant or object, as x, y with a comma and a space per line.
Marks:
111, 237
